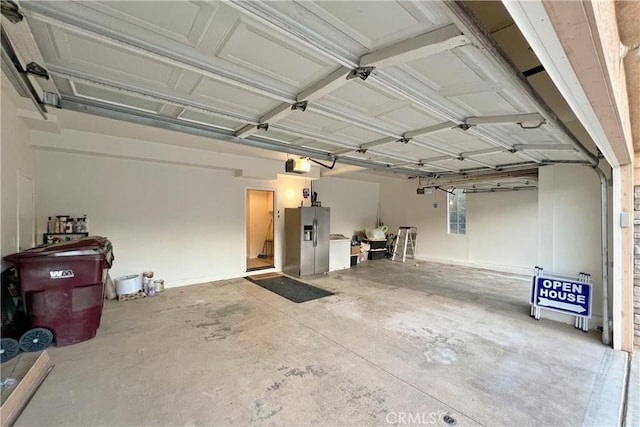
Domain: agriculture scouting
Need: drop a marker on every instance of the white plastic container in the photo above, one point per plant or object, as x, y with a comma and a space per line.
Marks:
128, 284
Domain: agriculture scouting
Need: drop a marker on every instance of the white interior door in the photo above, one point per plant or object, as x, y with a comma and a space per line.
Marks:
26, 213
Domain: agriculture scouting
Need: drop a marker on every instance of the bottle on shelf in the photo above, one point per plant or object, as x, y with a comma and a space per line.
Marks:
68, 226
49, 225
56, 225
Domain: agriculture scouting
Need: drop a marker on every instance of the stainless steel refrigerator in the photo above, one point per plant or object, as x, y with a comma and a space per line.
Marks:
306, 240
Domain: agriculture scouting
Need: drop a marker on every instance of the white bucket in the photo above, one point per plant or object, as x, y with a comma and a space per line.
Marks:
128, 284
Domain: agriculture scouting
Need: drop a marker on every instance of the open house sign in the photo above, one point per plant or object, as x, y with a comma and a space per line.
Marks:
564, 296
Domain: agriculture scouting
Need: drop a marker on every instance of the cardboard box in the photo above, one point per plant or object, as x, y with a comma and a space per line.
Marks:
355, 250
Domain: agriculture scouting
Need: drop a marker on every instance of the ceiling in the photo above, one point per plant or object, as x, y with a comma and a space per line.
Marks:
413, 88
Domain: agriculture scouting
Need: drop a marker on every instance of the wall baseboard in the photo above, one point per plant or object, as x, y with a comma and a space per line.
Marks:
206, 279
524, 271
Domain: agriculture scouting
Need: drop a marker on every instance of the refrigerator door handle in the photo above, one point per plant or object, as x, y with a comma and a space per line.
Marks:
315, 232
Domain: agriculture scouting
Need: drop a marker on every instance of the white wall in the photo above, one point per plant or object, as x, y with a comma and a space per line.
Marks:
354, 204
569, 222
173, 220
16, 156
502, 228
180, 214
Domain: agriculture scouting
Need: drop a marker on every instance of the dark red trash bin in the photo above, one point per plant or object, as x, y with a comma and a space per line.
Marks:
64, 286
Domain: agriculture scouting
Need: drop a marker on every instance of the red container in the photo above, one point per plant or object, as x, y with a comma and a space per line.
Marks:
45, 273
73, 314
64, 287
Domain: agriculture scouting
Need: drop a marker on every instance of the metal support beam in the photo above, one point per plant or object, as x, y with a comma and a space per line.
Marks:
325, 85
18, 76
442, 39
429, 129
27, 52
485, 152
604, 256
544, 147
378, 142
499, 120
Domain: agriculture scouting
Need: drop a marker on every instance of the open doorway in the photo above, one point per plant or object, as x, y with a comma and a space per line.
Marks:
260, 229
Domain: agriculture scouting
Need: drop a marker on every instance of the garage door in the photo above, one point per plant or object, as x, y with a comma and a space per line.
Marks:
413, 88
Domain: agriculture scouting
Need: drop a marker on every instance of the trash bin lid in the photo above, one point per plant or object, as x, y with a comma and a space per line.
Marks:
88, 245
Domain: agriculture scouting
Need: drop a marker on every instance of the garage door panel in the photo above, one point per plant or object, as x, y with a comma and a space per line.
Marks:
94, 56
361, 97
359, 134
264, 53
113, 97
414, 150
207, 119
280, 136
322, 146
450, 70
376, 24
231, 98
455, 140
500, 158
452, 165
556, 155
315, 122
420, 84
409, 118
378, 157
184, 22
485, 104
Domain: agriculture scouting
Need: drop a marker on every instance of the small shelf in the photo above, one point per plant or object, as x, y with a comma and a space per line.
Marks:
61, 237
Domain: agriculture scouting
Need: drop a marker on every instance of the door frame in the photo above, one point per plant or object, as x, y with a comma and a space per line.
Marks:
20, 174
276, 231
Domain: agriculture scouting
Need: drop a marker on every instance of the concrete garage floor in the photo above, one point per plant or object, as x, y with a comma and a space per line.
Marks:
397, 344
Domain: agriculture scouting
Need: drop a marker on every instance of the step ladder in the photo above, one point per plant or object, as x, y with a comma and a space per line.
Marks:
405, 242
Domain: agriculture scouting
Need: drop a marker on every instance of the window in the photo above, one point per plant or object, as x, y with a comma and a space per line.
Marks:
457, 211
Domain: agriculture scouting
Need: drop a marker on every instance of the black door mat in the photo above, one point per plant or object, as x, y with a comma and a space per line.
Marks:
289, 288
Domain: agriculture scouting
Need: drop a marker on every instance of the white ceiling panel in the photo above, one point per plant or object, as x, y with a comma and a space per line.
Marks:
408, 117
91, 55
96, 93
249, 46
411, 150
500, 158
315, 122
280, 136
450, 70
322, 146
376, 24
361, 97
485, 104
233, 99
356, 133
454, 141
184, 21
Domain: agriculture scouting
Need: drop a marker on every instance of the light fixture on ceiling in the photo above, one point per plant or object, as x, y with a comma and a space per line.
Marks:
301, 165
